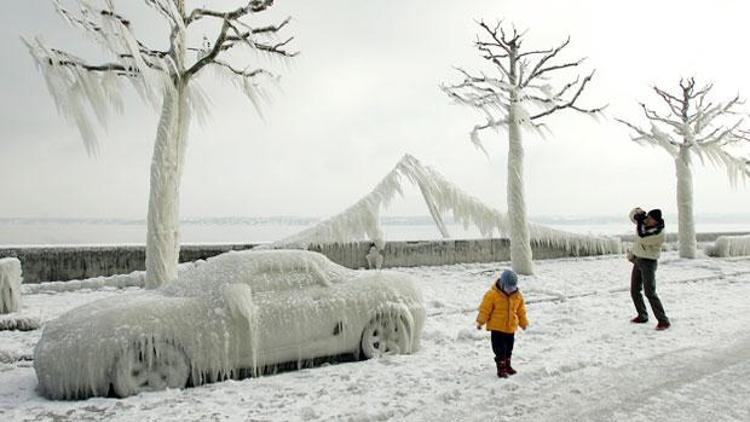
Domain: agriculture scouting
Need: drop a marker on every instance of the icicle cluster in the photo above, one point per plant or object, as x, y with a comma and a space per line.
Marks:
80, 90
10, 285
362, 220
726, 246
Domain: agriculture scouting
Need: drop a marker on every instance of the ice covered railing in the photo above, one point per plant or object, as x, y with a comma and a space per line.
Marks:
730, 246
361, 221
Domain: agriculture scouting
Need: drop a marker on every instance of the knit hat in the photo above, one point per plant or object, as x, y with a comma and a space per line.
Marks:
655, 214
508, 281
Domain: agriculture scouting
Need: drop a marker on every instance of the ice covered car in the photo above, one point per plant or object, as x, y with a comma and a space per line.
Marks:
231, 315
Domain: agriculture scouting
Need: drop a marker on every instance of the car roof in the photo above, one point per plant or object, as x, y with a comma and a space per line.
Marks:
262, 270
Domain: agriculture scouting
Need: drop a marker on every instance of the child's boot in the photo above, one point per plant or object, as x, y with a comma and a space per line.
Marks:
509, 369
501, 368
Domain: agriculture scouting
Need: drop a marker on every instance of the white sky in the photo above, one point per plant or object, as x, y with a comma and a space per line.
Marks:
363, 92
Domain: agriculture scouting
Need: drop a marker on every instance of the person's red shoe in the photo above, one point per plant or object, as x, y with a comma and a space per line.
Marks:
639, 320
663, 325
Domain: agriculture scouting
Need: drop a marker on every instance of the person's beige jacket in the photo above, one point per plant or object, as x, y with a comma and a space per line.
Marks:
648, 247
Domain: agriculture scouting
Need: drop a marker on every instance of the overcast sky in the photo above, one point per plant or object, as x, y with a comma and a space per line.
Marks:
365, 91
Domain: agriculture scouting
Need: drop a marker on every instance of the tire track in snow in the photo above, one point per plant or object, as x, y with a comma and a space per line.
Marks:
624, 390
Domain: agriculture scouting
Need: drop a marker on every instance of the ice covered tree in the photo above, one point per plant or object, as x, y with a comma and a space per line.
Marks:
692, 125
525, 87
362, 220
165, 75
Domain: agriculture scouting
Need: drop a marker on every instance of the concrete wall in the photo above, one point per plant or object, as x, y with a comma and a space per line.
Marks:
80, 262
700, 237
69, 263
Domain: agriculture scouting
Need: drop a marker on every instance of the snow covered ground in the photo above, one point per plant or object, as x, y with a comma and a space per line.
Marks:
580, 359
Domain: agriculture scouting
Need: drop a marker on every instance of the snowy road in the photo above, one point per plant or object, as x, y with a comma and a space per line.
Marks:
580, 359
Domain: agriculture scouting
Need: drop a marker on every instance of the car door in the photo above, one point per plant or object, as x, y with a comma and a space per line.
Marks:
295, 317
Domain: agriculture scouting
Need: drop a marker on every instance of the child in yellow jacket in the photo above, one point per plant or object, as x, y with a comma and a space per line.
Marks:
503, 310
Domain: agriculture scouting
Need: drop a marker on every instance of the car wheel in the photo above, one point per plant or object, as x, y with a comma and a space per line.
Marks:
158, 367
386, 334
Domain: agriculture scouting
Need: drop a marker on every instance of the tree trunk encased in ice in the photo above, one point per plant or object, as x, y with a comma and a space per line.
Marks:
520, 244
167, 161
686, 221
163, 237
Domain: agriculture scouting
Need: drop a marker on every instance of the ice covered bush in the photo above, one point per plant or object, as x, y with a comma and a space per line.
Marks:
10, 285
730, 246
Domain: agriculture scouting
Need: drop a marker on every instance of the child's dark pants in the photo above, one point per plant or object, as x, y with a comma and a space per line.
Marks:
502, 344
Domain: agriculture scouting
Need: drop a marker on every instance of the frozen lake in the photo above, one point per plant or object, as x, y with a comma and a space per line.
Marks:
28, 231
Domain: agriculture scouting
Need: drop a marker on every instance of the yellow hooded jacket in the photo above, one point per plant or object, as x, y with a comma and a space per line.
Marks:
501, 311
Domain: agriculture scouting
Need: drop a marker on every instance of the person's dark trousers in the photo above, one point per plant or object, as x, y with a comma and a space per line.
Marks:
502, 344
644, 277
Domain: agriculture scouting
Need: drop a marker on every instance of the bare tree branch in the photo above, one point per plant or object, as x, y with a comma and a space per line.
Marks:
706, 132
253, 6
534, 72
572, 102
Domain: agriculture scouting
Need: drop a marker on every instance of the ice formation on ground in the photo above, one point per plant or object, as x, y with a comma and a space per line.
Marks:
10, 285
730, 246
374, 258
19, 322
236, 314
118, 281
362, 220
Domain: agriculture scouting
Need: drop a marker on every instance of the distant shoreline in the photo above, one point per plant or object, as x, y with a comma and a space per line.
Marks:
222, 230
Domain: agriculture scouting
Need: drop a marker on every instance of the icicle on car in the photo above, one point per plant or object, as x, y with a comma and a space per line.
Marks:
235, 314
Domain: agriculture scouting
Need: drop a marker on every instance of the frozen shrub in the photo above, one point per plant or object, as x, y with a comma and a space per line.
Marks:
730, 246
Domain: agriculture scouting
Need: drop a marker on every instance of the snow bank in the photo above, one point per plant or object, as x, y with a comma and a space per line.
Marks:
362, 220
10, 285
730, 246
